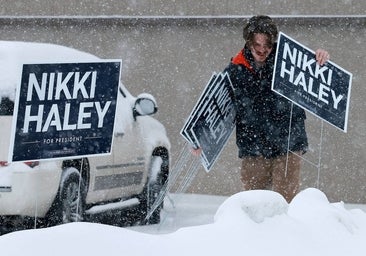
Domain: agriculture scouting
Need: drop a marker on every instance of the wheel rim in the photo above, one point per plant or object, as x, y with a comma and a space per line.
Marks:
71, 206
155, 186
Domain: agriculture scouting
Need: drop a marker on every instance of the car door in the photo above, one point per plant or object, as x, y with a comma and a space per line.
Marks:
101, 171
129, 163
121, 173
129, 160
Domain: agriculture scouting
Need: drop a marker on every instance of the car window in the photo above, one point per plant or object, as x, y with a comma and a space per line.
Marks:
6, 107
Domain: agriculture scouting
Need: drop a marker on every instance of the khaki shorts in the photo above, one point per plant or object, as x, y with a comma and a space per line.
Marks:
281, 174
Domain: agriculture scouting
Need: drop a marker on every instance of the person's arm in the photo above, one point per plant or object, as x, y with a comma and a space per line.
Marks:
321, 56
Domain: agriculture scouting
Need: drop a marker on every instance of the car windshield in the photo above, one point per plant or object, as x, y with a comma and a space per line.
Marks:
6, 107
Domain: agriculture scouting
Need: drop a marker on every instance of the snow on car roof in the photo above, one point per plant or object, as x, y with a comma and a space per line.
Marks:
13, 54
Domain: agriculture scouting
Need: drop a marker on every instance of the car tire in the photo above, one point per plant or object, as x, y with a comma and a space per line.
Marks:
150, 194
69, 205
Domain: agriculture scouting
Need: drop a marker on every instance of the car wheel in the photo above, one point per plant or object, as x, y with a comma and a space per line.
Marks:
151, 193
70, 202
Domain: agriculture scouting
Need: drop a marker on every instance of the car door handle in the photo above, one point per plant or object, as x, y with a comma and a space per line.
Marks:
119, 134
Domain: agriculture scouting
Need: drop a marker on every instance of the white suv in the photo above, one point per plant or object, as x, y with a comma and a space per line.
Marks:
61, 191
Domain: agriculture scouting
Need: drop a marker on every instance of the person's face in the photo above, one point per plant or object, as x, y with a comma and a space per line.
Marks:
261, 47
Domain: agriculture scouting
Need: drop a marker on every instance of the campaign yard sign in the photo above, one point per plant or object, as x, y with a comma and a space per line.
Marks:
65, 110
323, 90
186, 130
212, 120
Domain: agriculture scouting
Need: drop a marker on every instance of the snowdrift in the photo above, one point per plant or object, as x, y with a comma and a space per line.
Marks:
247, 223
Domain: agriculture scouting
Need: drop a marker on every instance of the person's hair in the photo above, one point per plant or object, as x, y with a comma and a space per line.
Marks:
260, 24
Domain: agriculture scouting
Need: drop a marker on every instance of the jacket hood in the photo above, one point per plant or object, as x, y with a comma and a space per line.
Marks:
244, 57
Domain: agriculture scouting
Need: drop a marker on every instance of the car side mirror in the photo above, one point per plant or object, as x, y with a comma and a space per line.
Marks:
145, 105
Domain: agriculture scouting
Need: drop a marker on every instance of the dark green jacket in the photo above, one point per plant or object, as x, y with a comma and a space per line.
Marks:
263, 116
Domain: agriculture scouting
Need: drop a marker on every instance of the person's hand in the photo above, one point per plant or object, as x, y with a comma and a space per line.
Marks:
321, 56
196, 152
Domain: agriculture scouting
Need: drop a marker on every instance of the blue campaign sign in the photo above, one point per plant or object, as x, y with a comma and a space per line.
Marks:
65, 110
323, 90
212, 120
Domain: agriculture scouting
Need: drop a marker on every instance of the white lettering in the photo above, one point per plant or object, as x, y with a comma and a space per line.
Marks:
287, 53
310, 88
336, 99
288, 72
306, 65
33, 83
93, 84
219, 131
56, 85
83, 115
323, 92
53, 119
43, 120
66, 123
300, 79
28, 118
61, 86
79, 85
330, 74
51, 85
101, 112
319, 71
314, 79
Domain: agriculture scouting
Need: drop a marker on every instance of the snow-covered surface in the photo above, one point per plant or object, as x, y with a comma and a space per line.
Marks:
13, 51
247, 223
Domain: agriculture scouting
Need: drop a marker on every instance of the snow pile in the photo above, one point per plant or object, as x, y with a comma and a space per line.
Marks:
254, 205
248, 223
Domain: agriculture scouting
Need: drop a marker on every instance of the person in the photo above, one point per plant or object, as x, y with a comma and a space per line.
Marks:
270, 130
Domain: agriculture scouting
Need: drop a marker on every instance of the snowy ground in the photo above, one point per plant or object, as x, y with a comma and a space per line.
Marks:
247, 223
185, 210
